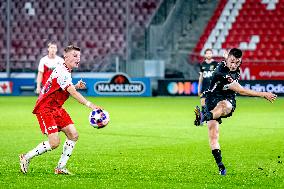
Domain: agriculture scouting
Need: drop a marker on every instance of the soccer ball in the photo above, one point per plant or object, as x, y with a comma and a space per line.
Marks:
99, 118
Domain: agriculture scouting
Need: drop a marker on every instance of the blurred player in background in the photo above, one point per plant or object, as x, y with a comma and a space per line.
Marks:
206, 69
51, 115
46, 66
220, 100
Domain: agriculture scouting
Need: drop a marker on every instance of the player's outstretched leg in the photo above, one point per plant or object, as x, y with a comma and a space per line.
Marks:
201, 116
198, 116
25, 158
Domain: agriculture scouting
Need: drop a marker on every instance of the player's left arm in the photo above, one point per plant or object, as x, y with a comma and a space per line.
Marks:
80, 98
235, 86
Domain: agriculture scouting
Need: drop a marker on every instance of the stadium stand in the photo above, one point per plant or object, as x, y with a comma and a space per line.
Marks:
254, 26
3, 36
98, 27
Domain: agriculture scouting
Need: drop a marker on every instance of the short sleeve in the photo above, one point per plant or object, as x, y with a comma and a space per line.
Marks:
64, 80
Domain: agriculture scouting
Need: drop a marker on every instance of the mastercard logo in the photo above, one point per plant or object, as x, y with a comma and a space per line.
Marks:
182, 88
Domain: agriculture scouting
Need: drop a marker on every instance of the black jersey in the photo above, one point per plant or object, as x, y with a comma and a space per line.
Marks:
222, 77
206, 70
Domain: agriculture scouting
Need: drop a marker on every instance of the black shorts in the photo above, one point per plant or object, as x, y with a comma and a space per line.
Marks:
211, 103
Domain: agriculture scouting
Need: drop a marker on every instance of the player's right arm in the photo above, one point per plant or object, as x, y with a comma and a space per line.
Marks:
80, 98
235, 86
200, 80
38, 82
39, 75
200, 83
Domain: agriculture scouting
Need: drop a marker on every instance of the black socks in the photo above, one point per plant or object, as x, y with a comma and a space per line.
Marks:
218, 158
217, 155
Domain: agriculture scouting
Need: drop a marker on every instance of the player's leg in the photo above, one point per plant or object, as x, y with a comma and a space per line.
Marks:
66, 126
213, 133
202, 103
47, 126
72, 136
223, 108
199, 112
41, 148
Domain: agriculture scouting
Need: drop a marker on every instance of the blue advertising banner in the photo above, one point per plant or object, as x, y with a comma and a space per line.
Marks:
274, 86
182, 87
118, 85
177, 87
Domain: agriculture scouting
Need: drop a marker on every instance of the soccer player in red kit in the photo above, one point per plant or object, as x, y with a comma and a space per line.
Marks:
47, 65
51, 115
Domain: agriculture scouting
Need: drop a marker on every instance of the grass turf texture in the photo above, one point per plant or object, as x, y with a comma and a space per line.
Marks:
149, 143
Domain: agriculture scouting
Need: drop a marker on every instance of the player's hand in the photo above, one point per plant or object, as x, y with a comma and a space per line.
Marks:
269, 96
37, 91
93, 106
80, 85
225, 54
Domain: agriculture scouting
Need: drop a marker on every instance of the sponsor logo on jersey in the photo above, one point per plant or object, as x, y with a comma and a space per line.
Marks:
51, 128
207, 74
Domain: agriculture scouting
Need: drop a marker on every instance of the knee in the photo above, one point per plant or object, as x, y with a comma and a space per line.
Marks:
54, 142
73, 136
226, 107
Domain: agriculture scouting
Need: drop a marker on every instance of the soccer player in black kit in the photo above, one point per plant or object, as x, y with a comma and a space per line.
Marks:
220, 100
206, 69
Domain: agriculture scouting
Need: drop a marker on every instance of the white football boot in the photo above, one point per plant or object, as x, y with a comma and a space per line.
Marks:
62, 171
24, 163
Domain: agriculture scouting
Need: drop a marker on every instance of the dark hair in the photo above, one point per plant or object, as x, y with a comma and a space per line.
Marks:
208, 50
70, 48
237, 53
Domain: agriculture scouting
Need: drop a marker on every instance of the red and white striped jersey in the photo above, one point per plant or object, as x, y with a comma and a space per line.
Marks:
47, 65
54, 94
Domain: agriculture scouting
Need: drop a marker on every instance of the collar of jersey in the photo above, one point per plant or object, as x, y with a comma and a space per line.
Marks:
69, 70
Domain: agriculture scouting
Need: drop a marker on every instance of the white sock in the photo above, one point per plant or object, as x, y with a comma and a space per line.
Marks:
40, 149
66, 153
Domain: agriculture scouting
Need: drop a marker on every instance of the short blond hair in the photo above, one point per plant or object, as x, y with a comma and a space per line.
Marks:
70, 48
51, 43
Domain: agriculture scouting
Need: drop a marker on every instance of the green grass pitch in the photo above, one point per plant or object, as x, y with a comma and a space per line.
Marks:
149, 143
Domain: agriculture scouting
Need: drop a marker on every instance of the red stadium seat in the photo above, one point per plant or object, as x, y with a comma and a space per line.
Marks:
105, 20
254, 19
